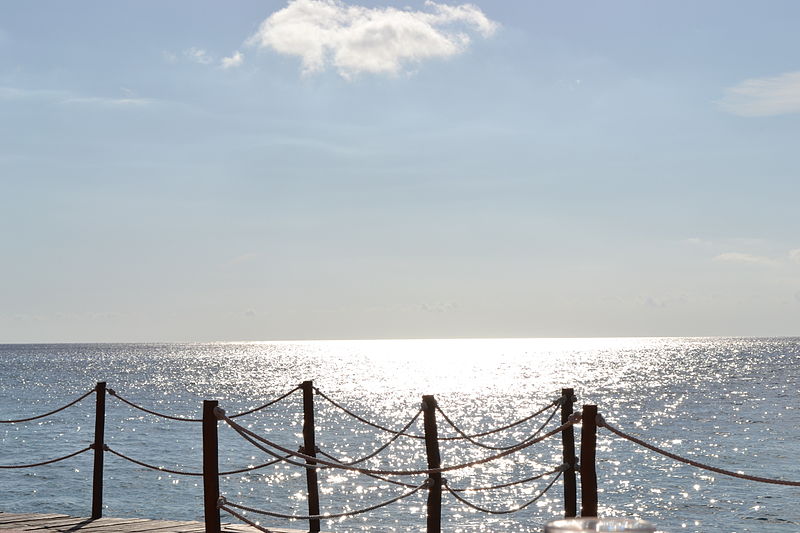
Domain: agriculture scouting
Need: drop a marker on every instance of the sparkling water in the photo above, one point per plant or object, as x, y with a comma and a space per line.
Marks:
729, 402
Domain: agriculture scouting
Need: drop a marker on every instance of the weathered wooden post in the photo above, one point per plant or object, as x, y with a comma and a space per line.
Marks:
99, 442
588, 455
568, 449
434, 461
210, 467
310, 448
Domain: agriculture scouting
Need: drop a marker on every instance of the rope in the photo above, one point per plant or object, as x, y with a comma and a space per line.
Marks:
252, 437
114, 393
364, 420
70, 404
243, 518
602, 423
374, 476
276, 400
182, 473
512, 483
386, 445
505, 511
487, 446
330, 516
413, 436
51, 461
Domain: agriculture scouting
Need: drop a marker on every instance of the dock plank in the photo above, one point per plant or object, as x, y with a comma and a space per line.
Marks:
41, 523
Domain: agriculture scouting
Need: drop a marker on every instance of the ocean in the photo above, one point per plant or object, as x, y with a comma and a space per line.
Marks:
729, 402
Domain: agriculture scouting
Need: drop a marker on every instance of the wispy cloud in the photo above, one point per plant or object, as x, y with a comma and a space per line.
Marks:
198, 55
761, 97
794, 255
746, 259
355, 39
116, 102
129, 99
233, 61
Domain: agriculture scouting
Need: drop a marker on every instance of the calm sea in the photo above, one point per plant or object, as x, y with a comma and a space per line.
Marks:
731, 402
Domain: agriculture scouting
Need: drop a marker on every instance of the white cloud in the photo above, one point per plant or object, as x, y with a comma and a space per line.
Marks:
120, 102
760, 97
746, 259
198, 55
233, 61
794, 255
356, 39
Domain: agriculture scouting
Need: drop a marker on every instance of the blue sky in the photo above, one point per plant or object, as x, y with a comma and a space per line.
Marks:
318, 169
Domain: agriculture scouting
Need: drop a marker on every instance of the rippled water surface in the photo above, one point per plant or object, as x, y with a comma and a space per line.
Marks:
729, 402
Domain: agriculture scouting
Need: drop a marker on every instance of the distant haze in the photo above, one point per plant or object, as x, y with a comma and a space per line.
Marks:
317, 169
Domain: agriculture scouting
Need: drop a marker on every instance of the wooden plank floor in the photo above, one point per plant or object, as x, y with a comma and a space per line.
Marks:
16, 523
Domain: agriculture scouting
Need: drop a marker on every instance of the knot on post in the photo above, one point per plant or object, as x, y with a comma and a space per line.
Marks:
112, 392
600, 421
221, 501
219, 413
574, 418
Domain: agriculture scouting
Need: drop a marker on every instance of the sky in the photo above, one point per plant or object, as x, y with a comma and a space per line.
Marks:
316, 169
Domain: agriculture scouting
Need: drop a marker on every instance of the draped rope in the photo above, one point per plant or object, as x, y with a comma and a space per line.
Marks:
183, 473
243, 518
51, 461
114, 393
253, 437
385, 445
413, 436
504, 511
374, 476
268, 404
54, 411
512, 483
470, 439
329, 516
602, 423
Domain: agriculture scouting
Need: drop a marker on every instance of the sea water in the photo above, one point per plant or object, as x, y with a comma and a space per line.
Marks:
729, 402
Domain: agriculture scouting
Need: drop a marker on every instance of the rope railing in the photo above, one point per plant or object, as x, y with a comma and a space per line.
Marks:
268, 404
504, 511
385, 445
243, 518
115, 394
49, 413
472, 440
361, 418
328, 516
602, 423
251, 437
368, 422
373, 476
184, 473
48, 462
512, 483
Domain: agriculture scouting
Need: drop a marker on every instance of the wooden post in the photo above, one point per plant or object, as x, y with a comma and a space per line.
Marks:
434, 461
310, 448
99, 442
210, 467
568, 454
588, 455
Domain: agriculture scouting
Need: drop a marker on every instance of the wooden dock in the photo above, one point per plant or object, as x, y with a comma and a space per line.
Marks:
16, 523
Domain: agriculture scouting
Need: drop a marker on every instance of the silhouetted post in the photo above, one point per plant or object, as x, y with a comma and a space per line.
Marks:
434, 461
210, 467
310, 448
99, 442
568, 447
588, 455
